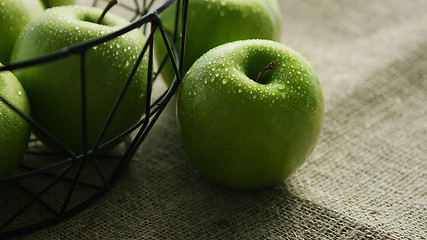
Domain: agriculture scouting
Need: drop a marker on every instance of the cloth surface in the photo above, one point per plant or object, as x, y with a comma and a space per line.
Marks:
366, 178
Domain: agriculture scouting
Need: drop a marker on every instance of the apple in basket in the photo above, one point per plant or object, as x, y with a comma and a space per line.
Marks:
14, 15
55, 88
214, 22
14, 130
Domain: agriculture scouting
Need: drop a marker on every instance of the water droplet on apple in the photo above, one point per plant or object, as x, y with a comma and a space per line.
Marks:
224, 81
19, 92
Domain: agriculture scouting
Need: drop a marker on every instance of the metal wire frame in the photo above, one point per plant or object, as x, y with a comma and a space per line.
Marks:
70, 168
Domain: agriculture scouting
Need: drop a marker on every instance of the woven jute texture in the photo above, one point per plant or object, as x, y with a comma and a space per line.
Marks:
366, 179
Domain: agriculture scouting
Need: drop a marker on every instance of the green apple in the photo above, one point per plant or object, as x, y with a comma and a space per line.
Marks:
54, 89
14, 130
14, 15
54, 3
211, 23
250, 113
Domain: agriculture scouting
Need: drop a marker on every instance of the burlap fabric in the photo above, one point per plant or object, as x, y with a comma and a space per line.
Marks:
366, 178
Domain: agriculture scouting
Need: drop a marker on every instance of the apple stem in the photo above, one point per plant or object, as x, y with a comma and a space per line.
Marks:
106, 9
269, 67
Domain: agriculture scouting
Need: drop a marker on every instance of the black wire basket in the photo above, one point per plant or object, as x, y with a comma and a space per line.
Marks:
50, 186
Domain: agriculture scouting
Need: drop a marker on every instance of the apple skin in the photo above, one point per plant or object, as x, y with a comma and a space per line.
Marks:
14, 15
54, 88
54, 3
211, 23
14, 130
243, 134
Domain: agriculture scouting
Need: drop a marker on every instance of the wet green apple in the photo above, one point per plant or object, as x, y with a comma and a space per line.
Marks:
14, 15
250, 113
54, 89
14, 130
214, 22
